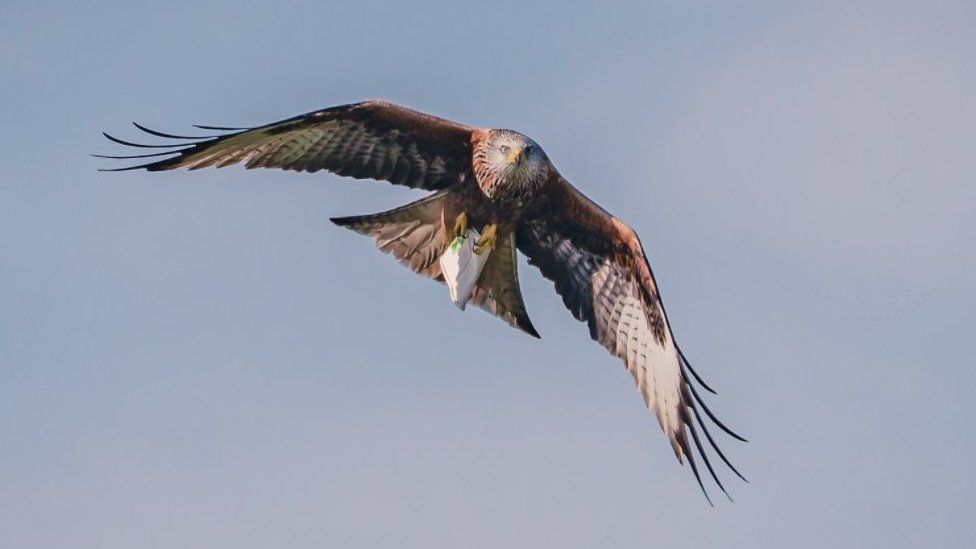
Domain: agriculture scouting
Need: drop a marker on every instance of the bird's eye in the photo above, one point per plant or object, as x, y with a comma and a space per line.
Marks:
528, 149
505, 149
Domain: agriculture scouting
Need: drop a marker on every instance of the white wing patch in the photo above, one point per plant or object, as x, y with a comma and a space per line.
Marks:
624, 329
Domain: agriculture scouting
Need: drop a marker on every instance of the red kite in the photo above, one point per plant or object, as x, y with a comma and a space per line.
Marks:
501, 182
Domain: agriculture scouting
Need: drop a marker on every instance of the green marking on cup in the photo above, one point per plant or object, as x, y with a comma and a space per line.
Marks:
456, 243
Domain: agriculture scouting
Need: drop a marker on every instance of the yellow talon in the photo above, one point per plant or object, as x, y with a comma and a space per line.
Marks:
488, 239
460, 226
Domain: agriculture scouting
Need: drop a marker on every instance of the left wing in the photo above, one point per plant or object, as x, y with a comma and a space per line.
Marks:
369, 140
599, 269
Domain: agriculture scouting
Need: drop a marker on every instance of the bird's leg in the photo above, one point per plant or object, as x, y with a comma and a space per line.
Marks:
488, 239
460, 227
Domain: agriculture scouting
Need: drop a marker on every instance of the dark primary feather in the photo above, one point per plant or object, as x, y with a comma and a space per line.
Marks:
711, 416
171, 136
374, 139
142, 146
694, 374
221, 128
711, 441
129, 156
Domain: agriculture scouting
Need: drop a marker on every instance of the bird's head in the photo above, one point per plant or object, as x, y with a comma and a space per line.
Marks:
514, 158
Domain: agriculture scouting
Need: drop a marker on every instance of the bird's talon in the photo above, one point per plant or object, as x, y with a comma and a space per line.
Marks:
488, 239
460, 226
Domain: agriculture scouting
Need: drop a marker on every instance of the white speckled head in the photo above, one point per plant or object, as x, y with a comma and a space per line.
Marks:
514, 158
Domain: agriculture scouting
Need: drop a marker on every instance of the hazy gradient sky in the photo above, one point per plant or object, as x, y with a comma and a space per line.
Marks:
202, 360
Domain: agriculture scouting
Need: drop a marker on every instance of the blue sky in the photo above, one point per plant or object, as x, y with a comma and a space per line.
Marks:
202, 360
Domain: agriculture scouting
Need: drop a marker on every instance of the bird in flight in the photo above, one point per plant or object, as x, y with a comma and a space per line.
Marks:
503, 184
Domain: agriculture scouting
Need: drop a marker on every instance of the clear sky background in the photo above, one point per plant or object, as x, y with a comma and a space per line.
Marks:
202, 360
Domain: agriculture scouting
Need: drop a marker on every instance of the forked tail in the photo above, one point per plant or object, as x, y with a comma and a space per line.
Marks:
416, 235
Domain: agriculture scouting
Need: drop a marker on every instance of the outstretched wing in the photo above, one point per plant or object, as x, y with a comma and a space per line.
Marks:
599, 269
369, 140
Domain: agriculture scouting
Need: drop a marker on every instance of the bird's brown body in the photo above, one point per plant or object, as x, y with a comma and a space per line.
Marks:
500, 182
504, 209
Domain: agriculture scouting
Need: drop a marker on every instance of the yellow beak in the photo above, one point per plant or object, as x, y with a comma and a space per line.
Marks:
514, 156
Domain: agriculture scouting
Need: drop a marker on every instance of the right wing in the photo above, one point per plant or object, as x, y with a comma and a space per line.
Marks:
599, 268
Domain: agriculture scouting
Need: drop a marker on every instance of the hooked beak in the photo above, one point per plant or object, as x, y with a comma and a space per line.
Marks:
514, 157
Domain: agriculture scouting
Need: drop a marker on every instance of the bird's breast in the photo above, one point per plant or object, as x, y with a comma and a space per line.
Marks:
504, 205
